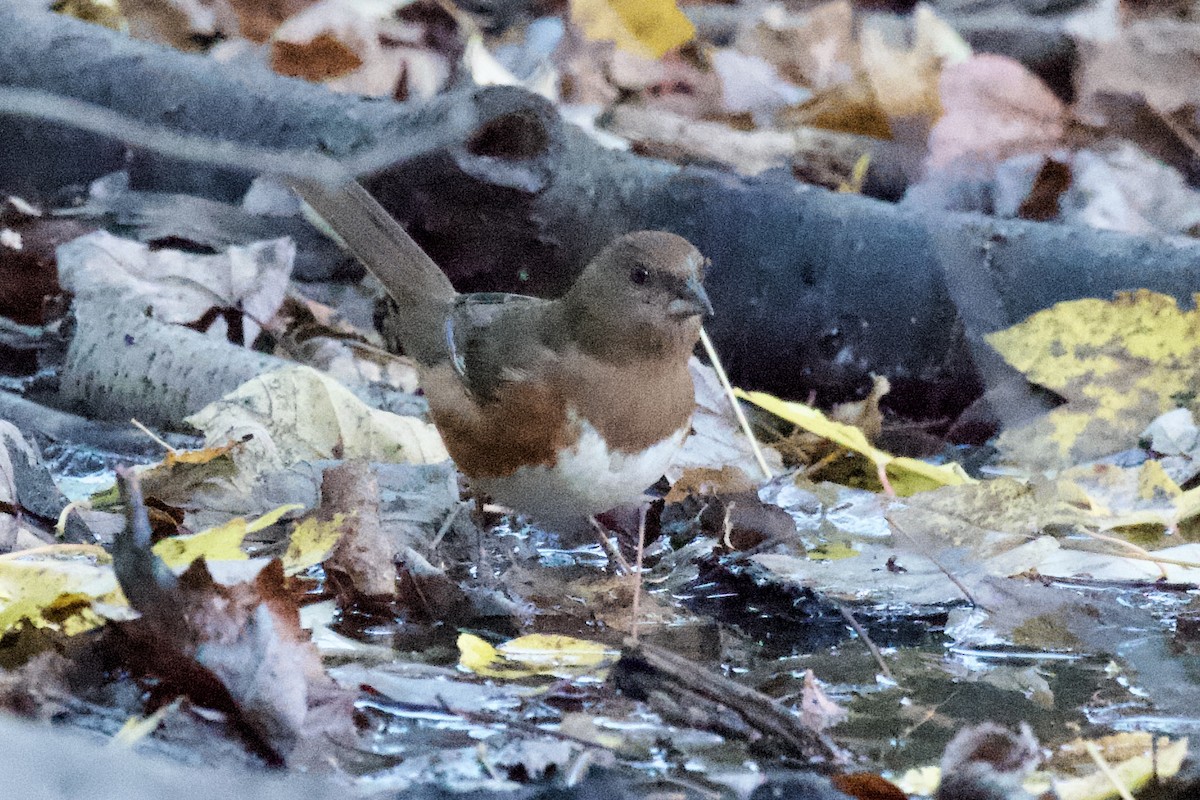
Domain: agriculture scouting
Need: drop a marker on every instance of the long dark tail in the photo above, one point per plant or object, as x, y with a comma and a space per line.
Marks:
422, 293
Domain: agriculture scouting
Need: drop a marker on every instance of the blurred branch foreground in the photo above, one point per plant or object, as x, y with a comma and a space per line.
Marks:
842, 284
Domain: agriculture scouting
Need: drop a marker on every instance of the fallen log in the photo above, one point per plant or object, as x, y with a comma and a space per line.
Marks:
814, 290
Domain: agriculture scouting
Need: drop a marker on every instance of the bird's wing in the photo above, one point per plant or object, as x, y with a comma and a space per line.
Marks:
493, 339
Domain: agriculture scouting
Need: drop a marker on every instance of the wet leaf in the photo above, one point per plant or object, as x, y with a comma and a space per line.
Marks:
1133, 759
536, 654
222, 543
1118, 363
61, 587
907, 475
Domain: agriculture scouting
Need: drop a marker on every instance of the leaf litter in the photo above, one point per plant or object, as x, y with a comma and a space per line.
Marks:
859, 608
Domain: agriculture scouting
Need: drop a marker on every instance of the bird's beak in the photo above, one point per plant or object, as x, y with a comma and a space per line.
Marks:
691, 301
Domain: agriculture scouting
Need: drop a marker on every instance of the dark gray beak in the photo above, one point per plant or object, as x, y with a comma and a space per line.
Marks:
691, 301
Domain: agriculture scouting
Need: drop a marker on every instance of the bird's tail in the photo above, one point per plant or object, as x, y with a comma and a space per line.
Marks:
422, 293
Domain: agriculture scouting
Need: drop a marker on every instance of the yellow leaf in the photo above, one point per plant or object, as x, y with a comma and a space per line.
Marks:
56, 587
648, 28
311, 542
222, 543
536, 654
920, 780
907, 475
1133, 772
832, 551
1118, 363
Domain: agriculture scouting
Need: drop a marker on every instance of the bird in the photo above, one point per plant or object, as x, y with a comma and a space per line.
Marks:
558, 409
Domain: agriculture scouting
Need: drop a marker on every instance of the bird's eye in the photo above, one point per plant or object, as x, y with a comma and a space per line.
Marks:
639, 275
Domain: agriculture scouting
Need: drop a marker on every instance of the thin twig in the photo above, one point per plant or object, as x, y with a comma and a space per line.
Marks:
1113, 778
737, 407
1136, 551
193, 148
815, 467
154, 437
866, 639
881, 470
949, 575
60, 527
614, 551
446, 524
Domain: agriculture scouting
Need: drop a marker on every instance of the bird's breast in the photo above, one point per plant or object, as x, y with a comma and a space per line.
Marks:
586, 477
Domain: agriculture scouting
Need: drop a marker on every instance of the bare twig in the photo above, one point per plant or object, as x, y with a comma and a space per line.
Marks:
154, 437
866, 639
737, 408
949, 575
1113, 778
1139, 552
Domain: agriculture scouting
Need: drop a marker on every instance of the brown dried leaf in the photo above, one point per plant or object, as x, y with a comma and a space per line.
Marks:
993, 108
238, 649
363, 554
348, 50
817, 711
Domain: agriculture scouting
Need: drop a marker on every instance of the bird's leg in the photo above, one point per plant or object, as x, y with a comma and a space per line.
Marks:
637, 587
614, 551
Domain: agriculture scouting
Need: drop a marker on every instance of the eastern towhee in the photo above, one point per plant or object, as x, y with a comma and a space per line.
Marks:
558, 409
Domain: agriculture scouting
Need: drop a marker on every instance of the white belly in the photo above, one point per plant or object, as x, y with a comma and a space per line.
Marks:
586, 479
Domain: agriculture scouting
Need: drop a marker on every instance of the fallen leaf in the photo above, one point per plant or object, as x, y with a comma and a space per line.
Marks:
181, 288
649, 28
222, 543
298, 414
1118, 363
751, 84
1158, 60
1124, 189
1134, 759
905, 79
707, 480
993, 108
817, 711
816, 50
67, 588
200, 456
311, 542
907, 475
536, 654
1173, 434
